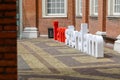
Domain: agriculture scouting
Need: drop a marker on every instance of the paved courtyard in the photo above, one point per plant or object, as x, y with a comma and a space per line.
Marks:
46, 59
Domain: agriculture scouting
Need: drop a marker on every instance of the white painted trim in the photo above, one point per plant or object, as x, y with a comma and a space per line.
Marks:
43, 8
78, 8
100, 33
92, 13
43, 35
21, 19
46, 15
52, 16
111, 8
114, 13
30, 32
91, 10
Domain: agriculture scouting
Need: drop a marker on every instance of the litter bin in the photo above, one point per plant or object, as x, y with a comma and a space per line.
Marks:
50, 33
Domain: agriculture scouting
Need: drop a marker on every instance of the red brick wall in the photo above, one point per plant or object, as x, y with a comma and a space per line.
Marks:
100, 23
102, 5
112, 26
8, 49
78, 22
85, 15
29, 13
44, 23
93, 25
85, 11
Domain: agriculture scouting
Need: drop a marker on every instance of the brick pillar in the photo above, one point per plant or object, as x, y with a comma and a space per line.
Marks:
85, 11
8, 48
102, 15
29, 13
73, 12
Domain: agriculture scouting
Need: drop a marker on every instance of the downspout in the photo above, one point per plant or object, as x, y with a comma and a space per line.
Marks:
21, 19
37, 17
73, 6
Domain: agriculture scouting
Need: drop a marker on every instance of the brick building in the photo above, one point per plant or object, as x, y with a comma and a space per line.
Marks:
101, 15
8, 45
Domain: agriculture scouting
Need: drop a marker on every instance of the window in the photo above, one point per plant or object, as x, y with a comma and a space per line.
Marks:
94, 7
114, 8
78, 7
54, 8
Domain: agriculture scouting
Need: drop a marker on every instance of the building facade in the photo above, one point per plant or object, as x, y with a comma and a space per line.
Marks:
8, 40
101, 15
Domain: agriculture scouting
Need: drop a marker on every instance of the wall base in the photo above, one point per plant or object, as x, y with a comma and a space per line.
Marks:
43, 35
100, 33
30, 32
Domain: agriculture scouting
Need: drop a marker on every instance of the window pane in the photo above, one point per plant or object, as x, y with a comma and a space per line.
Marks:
48, 1
95, 6
80, 6
58, 5
53, 0
53, 10
58, 11
96, 2
62, 1
117, 1
117, 6
49, 5
49, 11
62, 5
58, 1
55, 6
62, 10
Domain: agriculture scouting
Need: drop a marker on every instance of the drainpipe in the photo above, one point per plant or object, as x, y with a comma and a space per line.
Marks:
20, 18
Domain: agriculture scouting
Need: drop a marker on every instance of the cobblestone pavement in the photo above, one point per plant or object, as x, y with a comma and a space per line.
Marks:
46, 59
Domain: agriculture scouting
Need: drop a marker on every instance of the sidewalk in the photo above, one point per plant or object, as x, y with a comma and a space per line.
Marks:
46, 59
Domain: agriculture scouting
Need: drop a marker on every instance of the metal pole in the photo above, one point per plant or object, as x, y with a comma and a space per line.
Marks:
20, 18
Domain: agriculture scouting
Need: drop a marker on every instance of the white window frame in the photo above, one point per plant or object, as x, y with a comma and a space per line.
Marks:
92, 8
115, 13
111, 8
44, 10
78, 8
